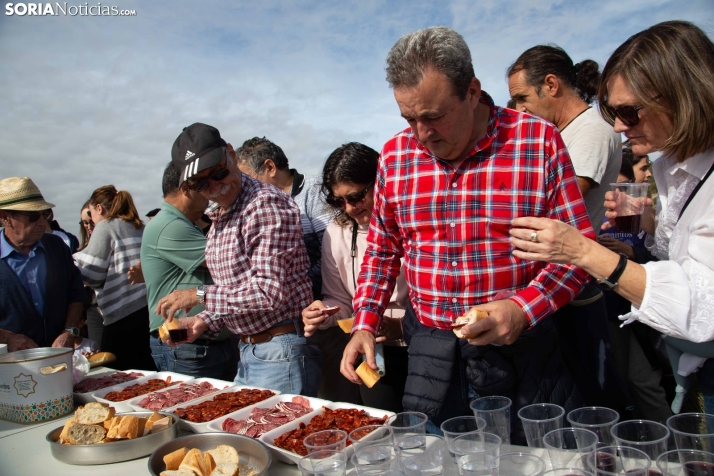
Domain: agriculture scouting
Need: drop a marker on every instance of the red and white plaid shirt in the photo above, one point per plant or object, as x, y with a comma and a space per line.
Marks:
452, 226
257, 259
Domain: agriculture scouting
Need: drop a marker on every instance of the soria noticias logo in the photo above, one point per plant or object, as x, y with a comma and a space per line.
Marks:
64, 9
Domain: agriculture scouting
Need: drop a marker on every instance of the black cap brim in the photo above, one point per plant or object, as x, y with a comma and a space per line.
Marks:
202, 161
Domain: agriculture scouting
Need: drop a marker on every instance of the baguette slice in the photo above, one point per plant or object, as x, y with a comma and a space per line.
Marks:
368, 375
470, 317
163, 333
80, 434
195, 462
210, 463
224, 454
225, 469
94, 413
346, 324
129, 427
173, 460
64, 435
101, 358
160, 424
179, 472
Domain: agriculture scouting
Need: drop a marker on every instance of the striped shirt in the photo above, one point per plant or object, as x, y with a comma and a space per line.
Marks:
257, 259
451, 226
114, 247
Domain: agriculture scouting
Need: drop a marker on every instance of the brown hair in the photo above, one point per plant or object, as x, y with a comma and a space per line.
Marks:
672, 61
82, 230
119, 204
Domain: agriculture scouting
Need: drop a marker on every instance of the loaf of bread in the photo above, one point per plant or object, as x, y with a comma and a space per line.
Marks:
471, 317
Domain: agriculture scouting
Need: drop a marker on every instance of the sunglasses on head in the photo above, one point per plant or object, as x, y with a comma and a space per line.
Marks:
353, 198
32, 217
199, 185
629, 115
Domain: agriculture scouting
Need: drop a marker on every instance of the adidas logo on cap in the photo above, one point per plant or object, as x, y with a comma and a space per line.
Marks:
189, 154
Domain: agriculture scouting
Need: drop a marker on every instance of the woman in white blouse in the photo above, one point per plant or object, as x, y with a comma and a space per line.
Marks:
657, 89
348, 186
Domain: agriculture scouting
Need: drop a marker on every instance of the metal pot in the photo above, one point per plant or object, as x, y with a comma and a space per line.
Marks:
36, 384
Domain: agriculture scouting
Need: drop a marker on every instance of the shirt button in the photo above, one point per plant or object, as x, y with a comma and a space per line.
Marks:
454, 300
453, 225
453, 185
453, 263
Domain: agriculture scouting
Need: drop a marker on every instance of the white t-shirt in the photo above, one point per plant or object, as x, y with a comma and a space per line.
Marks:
596, 152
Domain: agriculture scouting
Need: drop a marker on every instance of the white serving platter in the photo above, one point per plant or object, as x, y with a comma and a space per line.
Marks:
86, 397
203, 427
292, 458
217, 384
242, 414
123, 406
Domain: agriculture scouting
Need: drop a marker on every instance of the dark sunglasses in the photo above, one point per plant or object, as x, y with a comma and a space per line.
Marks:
202, 184
86, 223
32, 217
353, 198
629, 115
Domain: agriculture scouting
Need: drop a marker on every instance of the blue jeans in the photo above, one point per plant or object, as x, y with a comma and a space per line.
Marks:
217, 360
288, 363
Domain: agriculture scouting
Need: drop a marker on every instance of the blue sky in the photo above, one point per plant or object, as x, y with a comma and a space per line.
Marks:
88, 101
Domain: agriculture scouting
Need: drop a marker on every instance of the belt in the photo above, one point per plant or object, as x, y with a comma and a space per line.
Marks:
155, 335
268, 334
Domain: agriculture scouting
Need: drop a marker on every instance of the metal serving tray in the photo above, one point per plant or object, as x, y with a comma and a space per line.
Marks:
115, 451
252, 453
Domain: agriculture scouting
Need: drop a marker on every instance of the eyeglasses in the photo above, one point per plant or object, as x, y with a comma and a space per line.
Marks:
203, 183
353, 198
629, 115
32, 217
88, 223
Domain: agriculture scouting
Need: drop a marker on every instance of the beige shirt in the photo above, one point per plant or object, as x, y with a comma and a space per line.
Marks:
338, 279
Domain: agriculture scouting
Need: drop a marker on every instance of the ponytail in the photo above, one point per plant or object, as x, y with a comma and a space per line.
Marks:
118, 204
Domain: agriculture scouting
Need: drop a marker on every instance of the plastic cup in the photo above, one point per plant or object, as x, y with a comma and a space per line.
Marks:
693, 431
597, 419
616, 460
475, 464
458, 426
567, 472
323, 463
648, 436
569, 447
539, 419
629, 205
375, 460
421, 455
517, 464
326, 440
408, 423
496, 411
476, 442
686, 463
371, 435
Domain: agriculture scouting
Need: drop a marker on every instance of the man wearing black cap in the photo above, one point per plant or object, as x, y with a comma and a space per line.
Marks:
257, 259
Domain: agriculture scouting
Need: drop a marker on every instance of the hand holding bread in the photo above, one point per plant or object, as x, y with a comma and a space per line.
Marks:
471, 317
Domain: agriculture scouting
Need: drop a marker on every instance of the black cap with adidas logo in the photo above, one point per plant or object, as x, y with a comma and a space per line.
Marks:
198, 147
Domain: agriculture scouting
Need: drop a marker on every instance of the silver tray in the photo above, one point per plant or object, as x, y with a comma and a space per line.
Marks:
115, 451
252, 452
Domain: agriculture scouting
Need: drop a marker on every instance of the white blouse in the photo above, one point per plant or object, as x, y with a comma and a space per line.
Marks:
679, 292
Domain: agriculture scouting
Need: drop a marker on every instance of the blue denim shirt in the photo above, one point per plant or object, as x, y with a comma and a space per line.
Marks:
30, 269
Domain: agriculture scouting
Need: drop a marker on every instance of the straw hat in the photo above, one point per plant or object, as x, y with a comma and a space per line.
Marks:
21, 193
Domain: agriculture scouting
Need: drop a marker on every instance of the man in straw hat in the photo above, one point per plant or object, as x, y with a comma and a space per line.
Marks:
41, 302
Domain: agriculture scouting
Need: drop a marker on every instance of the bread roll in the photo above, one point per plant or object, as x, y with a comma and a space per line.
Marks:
472, 316
80, 434
173, 460
224, 454
94, 413
368, 375
346, 324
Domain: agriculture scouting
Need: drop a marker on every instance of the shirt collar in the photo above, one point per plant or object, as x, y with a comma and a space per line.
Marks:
6, 248
697, 165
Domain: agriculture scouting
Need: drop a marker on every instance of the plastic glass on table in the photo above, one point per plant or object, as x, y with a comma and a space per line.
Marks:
686, 463
616, 460
454, 427
476, 442
568, 472
375, 460
407, 423
475, 464
517, 464
539, 419
421, 455
325, 440
496, 411
324, 463
371, 435
597, 419
569, 447
645, 435
693, 431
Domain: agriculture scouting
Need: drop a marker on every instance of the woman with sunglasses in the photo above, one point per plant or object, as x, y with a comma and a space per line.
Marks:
114, 247
657, 89
86, 226
348, 186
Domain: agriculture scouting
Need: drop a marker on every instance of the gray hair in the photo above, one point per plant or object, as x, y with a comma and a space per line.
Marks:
257, 150
437, 47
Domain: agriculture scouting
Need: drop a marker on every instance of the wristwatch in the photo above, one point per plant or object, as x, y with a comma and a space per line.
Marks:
201, 294
610, 282
74, 331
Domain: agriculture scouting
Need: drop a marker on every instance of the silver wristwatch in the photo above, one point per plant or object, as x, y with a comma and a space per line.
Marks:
201, 294
74, 331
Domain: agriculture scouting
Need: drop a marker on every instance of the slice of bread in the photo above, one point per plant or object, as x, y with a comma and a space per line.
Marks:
224, 454
470, 317
64, 435
194, 461
346, 324
180, 472
210, 462
163, 333
173, 459
161, 424
225, 469
368, 375
94, 413
80, 434
128, 427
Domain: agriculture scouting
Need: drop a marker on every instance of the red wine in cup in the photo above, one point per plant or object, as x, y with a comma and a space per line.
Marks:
628, 224
605, 462
178, 335
698, 468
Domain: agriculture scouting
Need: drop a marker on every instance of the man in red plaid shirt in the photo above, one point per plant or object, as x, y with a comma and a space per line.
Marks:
258, 261
447, 189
